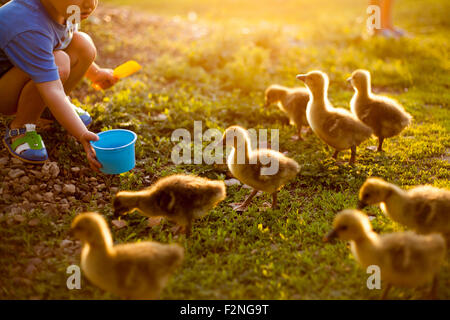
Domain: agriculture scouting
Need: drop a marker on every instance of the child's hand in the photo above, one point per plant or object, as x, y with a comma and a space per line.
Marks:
90, 152
104, 78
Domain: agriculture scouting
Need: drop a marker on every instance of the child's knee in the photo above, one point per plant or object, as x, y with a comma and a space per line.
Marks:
87, 49
62, 60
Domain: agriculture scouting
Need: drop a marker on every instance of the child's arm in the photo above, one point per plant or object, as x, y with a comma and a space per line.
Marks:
102, 77
53, 94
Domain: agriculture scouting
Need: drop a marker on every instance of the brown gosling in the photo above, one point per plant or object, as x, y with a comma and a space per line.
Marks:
262, 169
337, 127
425, 209
292, 101
179, 198
385, 116
131, 271
405, 259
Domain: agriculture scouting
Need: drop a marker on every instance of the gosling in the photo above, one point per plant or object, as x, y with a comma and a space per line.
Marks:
386, 117
404, 258
337, 127
130, 271
262, 169
425, 209
179, 198
293, 102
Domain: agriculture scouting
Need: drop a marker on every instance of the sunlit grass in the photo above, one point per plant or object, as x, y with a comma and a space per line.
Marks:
214, 69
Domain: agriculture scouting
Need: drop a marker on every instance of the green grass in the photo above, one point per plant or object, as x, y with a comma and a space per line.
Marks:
215, 70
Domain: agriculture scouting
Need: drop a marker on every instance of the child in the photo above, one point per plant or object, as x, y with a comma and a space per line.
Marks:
42, 58
387, 27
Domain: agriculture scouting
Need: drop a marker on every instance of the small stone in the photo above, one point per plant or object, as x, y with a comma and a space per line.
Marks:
19, 218
48, 196
69, 189
119, 224
3, 161
26, 195
101, 186
37, 197
65, 243
51, 169
57, 188
30, 269
34, 222
64, 201
153, 222
16, 161
114, 190
75, 169
232, 182
50, 209
34, 188
16, 173
25, 180
159, 117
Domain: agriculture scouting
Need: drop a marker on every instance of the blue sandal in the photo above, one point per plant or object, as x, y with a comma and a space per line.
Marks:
30, 148
84, 115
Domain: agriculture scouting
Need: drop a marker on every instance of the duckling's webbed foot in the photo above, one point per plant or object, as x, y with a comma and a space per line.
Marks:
243, 206
380, 144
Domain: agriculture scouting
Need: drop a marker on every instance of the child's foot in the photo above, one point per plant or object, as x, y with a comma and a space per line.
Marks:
25, 144
399, 33
385, 33
84, 115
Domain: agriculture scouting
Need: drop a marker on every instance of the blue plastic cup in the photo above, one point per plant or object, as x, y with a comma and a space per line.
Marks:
116, 150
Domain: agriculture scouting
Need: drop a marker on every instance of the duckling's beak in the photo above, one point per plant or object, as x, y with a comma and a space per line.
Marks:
349, 80
361, 205
301, 77
330, 236
267, 104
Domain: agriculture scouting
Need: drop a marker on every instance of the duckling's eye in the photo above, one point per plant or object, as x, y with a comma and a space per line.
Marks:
366, 196
343, 228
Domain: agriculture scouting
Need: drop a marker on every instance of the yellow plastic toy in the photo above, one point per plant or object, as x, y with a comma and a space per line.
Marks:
123, 71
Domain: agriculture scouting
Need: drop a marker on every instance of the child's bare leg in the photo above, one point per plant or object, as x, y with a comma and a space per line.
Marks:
30, 105
82, 53
11, 85
386, 14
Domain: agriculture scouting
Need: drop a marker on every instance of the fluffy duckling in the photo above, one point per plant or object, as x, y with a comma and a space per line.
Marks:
179, 198
425, 209
132, 271
293, 102
386, 117
262, 169
404, 258
337, 127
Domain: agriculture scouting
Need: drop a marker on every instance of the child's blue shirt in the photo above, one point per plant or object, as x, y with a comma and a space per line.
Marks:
28, 37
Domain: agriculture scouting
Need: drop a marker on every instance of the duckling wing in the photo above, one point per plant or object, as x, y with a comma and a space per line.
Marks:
386, 119
142, 268
431, 213
268, 170
411, 259
343, 128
